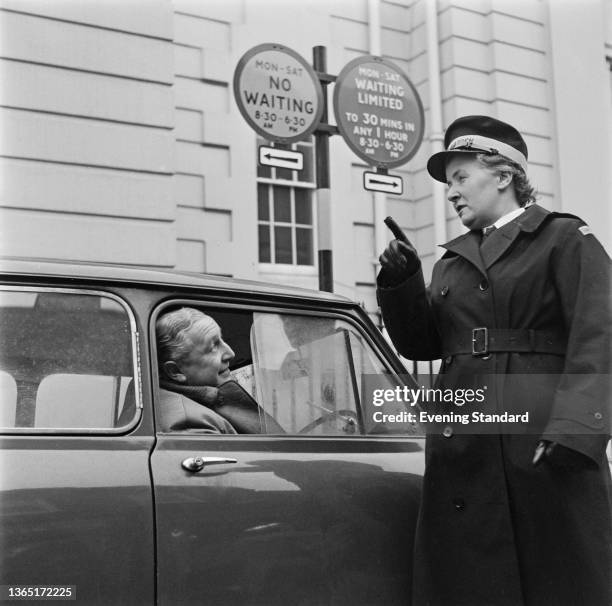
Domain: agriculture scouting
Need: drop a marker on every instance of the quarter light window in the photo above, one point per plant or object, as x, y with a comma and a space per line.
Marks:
65, 362
285, 217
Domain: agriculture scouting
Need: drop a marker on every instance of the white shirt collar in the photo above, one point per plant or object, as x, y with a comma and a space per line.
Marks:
513, 214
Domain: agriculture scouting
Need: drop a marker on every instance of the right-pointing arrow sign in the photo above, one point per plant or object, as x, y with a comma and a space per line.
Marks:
388, 184
281, 158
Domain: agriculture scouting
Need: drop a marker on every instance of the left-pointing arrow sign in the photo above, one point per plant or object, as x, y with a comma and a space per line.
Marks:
281, 158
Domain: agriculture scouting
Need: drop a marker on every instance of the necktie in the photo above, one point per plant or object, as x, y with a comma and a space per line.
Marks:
486, 232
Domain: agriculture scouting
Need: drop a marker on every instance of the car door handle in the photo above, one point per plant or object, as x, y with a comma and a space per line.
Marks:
198, 463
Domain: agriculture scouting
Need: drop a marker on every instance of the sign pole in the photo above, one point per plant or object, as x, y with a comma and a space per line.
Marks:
323, 193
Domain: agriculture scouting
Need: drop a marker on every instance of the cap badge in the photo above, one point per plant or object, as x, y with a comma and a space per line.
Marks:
462, 142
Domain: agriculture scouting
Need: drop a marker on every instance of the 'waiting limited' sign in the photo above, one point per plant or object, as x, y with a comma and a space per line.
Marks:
378, 111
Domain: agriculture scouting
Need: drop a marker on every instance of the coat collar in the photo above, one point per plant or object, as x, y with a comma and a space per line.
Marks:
468, 245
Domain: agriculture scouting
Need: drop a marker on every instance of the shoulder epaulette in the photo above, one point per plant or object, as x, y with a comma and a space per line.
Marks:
558, 215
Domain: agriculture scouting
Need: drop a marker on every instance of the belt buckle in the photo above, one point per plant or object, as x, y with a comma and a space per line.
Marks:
480, 341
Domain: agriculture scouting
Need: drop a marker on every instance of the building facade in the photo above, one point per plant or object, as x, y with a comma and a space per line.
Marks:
121, 141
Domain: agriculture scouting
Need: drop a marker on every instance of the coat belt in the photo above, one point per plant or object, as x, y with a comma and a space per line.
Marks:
481, 341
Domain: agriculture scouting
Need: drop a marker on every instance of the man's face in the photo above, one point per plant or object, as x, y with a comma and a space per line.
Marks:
209, 355
474, 191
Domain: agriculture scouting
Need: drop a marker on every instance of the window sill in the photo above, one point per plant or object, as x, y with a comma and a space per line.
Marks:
282, 268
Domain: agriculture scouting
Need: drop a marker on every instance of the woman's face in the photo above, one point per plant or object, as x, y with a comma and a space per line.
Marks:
474, 191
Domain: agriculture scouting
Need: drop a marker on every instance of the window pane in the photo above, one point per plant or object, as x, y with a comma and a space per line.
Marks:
282, 204
284, 173
75, 400
264, 171
8, 399
312, 374
303, 373
67, 360
307, 173
303, 243
282, 245
263, 208
303, 206
264, 244
372, 374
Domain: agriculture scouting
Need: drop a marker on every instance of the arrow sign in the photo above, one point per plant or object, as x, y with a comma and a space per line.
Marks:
281, 158
388, 184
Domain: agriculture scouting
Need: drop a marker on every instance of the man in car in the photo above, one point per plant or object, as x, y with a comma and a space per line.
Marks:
197, 391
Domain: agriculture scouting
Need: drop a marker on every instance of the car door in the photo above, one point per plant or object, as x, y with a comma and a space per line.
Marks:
75, 492
322, 513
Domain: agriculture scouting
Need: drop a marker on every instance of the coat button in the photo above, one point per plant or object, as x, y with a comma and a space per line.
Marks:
459, 504
598, 416
447, 432
444, 291
484, 285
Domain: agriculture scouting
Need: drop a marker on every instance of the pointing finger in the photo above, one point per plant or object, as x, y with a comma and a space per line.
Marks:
396, 230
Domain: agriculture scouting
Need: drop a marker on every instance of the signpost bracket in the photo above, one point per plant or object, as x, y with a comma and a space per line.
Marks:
324, 127
325, 77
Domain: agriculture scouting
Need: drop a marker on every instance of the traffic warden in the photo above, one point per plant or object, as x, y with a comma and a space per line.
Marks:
509, 516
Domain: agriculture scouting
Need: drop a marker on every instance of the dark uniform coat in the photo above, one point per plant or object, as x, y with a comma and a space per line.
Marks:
494, 529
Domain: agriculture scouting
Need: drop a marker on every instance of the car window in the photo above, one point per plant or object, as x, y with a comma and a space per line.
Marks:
309, 375
303, 375
8, 399
66, 361
315, 376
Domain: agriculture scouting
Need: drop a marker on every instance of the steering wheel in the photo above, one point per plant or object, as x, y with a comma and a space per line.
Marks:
351, 423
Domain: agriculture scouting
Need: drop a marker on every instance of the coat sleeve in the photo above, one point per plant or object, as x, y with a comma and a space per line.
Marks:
409, 319
580, 417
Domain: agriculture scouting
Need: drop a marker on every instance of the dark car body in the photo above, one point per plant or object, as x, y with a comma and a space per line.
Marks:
94, 496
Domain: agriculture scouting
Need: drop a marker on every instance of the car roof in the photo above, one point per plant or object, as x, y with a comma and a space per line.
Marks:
146, 276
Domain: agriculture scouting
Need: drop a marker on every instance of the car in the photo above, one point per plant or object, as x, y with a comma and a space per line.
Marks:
97, 498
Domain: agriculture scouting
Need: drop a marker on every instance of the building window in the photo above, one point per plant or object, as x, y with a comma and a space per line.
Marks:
285, 212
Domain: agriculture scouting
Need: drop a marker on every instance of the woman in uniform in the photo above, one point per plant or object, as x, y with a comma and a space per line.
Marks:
512, 512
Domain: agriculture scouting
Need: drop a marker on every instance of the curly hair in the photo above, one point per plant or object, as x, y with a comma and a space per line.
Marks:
525, 192
170, 330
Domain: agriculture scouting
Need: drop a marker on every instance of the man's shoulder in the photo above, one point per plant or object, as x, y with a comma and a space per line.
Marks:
171, 398
181, 412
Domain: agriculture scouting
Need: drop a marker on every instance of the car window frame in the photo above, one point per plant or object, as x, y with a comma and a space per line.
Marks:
286, 307
136, 366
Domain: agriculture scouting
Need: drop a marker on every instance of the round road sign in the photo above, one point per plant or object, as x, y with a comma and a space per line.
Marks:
278, 93
378, 111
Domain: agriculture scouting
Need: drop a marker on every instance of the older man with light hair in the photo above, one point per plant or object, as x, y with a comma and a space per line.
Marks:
196, 387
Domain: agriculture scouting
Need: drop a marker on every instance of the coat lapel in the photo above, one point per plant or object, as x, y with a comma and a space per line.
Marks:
483, 257
503, 238
468, 247
498, 243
